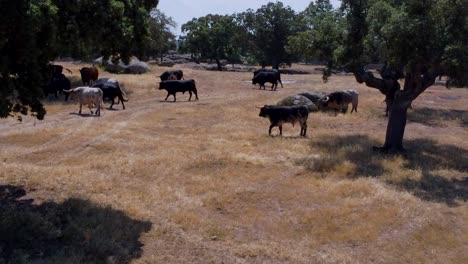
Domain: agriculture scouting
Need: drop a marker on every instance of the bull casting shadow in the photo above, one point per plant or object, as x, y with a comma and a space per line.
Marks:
112, 109
422, 154
75, 231
267, 90
178, 101
84, 115
288, 137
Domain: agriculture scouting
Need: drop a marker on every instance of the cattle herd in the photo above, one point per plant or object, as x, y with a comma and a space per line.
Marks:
295, 109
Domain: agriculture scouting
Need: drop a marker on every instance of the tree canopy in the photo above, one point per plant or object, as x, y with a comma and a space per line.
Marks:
32, 33
259, 35
161, 39
322, 38
269, 28
212, 37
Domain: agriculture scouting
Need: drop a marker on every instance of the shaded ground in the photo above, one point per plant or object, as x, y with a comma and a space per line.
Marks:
424, 155
438, 117
74, 231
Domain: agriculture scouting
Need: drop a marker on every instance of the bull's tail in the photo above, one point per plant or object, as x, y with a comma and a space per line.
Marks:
279, 80
101, 107
195, 92
101, 103
123, 94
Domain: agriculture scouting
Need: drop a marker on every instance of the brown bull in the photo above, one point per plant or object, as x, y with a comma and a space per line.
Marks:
88, 75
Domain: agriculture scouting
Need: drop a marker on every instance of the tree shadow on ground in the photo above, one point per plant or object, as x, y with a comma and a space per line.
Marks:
423, 155
437, 117
75, 231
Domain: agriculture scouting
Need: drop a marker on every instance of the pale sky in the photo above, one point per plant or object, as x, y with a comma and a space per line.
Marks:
183, 11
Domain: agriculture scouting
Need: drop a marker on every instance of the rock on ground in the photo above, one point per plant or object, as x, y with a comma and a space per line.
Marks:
298, 100
135, 66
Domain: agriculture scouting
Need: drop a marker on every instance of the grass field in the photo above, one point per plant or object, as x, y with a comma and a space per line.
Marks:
202, 182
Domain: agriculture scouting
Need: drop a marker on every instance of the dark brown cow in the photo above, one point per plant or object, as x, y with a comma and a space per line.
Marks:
88, 75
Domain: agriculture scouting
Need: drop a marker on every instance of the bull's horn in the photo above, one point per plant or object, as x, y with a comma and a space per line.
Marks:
326, 99
259, 107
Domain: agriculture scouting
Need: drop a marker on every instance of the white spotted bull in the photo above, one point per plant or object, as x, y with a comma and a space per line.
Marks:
87, 95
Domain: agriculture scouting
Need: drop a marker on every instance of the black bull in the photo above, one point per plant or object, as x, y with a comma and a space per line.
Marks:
285, 114
178, 86
276, 73
111, 89
339, 101
57, 84
173, 75
264, 77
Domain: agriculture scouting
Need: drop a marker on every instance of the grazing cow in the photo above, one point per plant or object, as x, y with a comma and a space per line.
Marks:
339, 101
279, 115
87, 95
269, 70
111, 89
178, 86
264, 77
355, 99
88, 75
172, 75
57, 84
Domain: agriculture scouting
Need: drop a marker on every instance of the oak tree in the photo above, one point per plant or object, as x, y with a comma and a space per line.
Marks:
211, 37
419, 40
323, 36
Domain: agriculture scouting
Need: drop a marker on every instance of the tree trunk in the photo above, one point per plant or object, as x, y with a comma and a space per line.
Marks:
275, 64
220, 67
416, 81
395, 127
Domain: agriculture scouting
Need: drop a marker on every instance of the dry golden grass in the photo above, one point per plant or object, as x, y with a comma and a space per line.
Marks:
217, 188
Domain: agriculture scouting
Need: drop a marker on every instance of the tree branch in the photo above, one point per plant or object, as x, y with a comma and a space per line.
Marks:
383, 85
429, 79
419, 81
